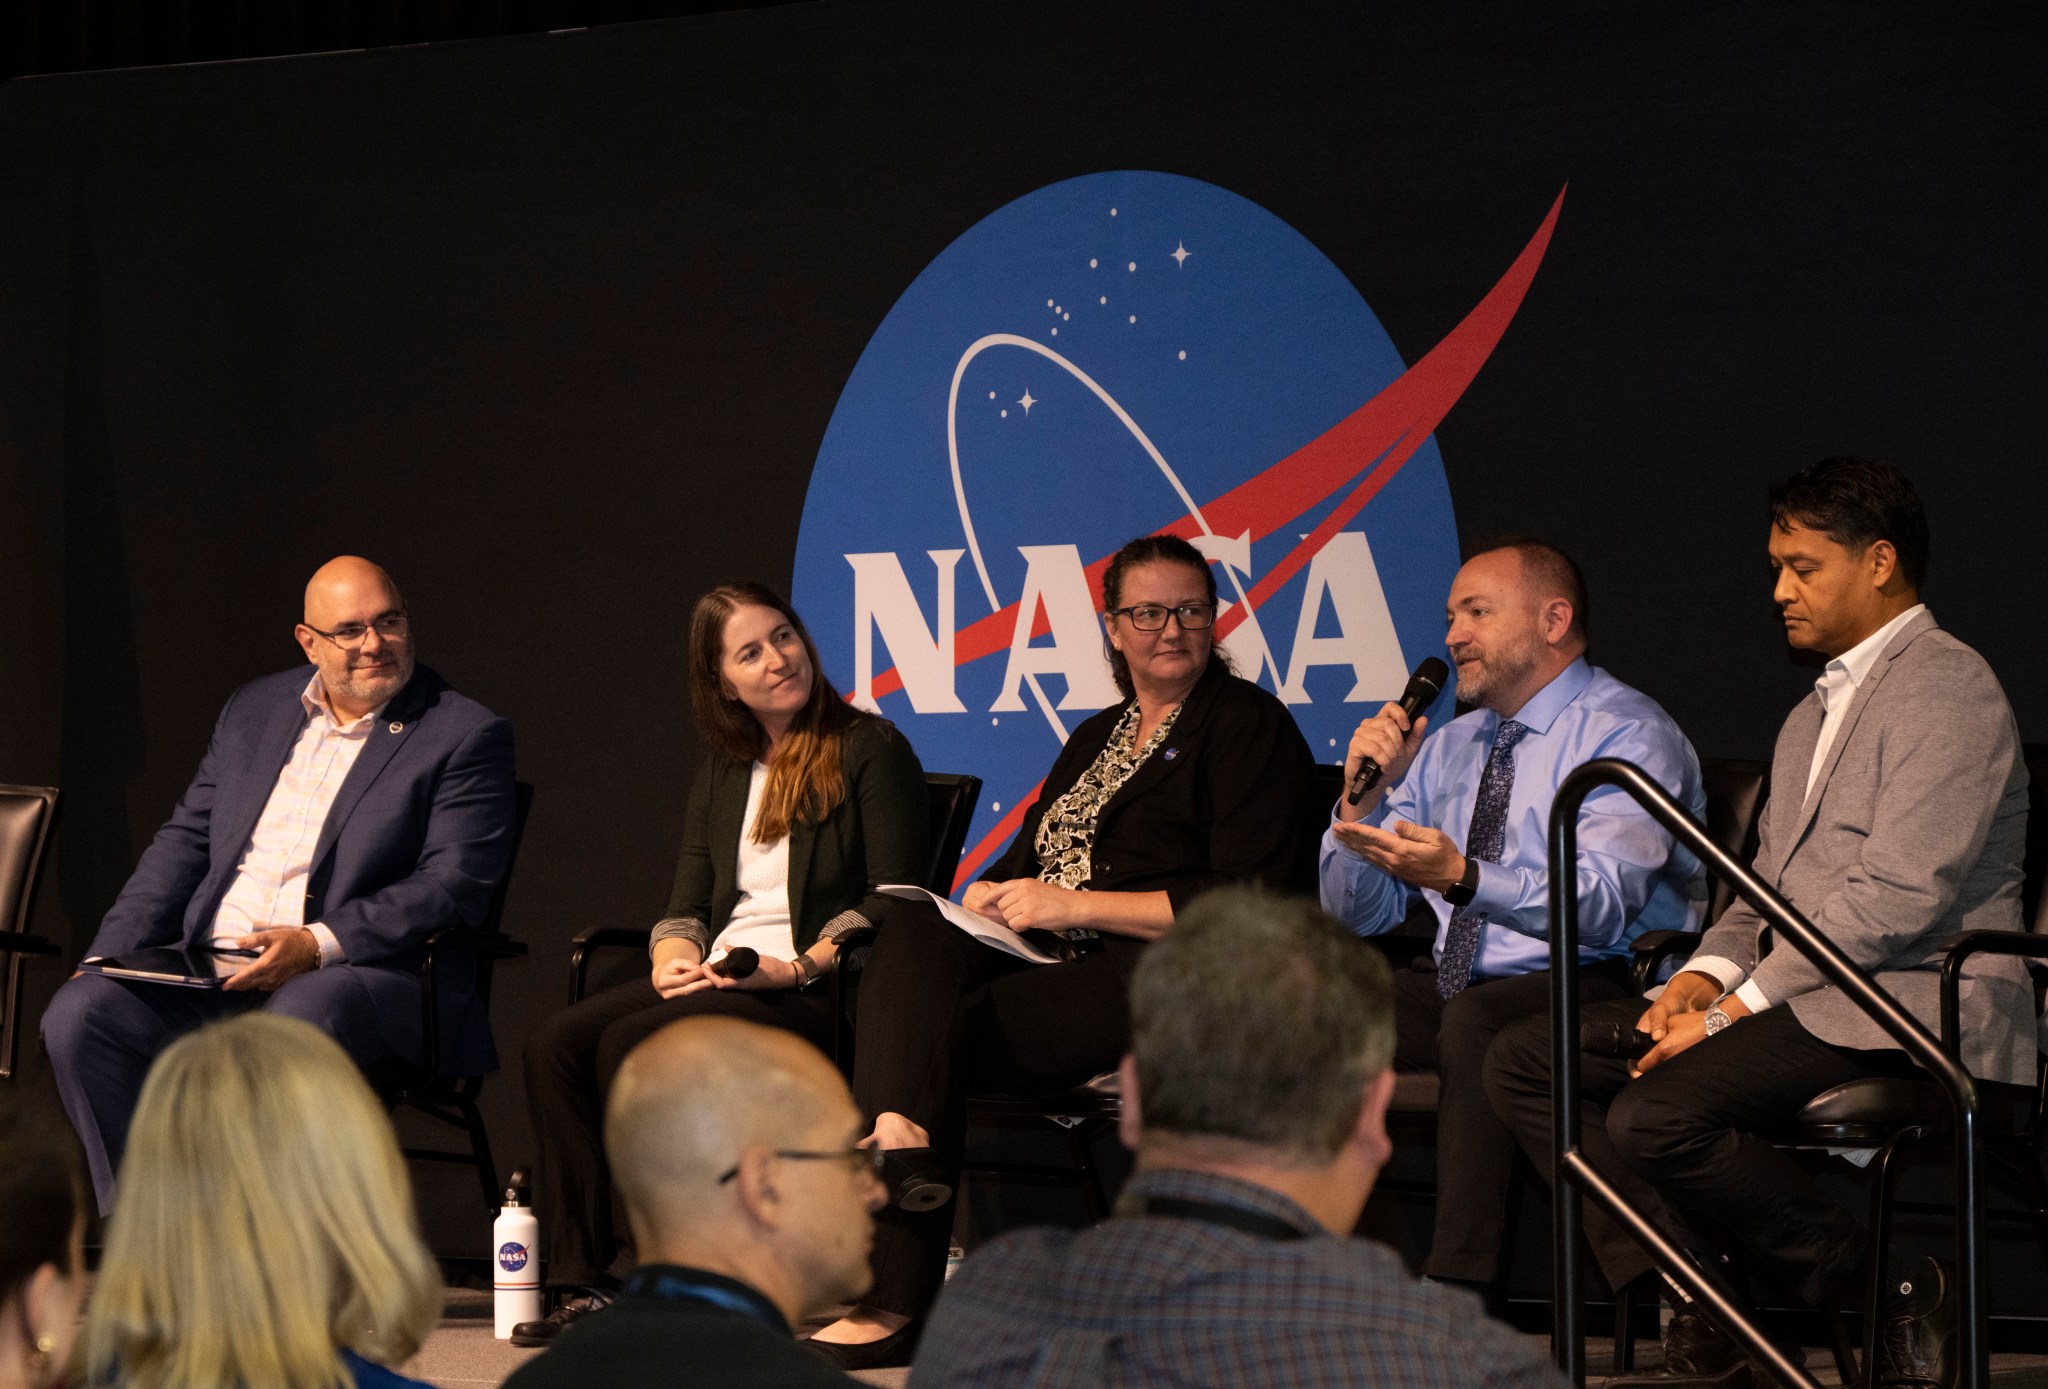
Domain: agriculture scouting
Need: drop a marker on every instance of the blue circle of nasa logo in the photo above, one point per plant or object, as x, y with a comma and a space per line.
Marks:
512, 1256
1109, 357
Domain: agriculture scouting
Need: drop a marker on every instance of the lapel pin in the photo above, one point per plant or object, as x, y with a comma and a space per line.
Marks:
1172, 753
398, 728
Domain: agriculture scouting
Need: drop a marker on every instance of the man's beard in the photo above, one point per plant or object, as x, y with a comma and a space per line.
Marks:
1498, 670
376, 685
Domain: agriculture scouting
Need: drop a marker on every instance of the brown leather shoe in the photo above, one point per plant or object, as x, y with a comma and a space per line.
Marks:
1696, 1353
1916, 1347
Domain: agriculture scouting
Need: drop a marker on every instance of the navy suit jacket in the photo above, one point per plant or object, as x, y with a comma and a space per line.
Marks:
417, 839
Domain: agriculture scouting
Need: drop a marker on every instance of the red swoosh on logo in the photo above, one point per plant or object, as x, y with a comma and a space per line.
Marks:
1370, 445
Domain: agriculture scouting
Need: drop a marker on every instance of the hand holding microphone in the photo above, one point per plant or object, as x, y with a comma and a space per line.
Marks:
1396, 746
1618, 1040
738, 963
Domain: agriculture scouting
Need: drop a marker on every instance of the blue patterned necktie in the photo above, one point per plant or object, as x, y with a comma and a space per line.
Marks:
1488, 837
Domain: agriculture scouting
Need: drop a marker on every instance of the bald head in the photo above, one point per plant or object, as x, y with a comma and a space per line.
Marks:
344, 584
733, 1145
356, 632
692, 1097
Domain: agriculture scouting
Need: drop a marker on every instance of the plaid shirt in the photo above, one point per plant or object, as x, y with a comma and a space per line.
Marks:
1165, 1300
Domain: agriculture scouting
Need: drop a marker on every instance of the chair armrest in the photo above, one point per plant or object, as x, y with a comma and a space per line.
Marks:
491, 943
451, 940
587, 943
20, 944
1653, 949
1958, 949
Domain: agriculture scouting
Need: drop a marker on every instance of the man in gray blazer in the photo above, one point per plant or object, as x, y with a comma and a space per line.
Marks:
1897, 817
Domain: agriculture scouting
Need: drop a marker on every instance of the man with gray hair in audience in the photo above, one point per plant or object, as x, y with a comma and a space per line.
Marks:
734, 1148
1256, 1097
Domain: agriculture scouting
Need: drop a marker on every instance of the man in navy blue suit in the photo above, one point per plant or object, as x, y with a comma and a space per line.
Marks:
336, 822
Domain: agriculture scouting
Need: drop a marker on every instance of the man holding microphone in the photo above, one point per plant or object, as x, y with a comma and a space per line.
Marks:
1459, 821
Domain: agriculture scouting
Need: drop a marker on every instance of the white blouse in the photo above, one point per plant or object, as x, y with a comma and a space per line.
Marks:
761, 919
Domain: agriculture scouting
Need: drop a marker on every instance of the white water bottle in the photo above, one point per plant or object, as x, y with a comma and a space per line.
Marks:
515, 1260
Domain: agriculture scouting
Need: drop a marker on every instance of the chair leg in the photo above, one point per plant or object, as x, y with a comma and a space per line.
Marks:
1880, 1249
1625, 1327
2018, 1160
1092, 1194
480, 1149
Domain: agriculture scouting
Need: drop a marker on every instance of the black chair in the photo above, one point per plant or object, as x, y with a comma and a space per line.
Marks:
952, 798
1737, 789
1085, 1114
1895, 1115
26, 814
425, 1086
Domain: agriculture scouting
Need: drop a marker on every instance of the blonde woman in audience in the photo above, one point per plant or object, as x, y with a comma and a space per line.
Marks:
264, 1234
42, 1243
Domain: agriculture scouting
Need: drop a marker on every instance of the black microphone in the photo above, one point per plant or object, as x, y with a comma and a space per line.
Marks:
1618, 1040
1423, 687
738, 963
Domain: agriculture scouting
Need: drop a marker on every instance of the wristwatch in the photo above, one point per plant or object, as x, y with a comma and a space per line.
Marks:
1460, 892
1717, 1019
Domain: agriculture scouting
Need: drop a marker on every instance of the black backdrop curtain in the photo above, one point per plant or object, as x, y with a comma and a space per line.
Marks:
552, 325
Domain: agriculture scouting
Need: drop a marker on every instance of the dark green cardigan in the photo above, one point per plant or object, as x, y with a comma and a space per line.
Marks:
881, 833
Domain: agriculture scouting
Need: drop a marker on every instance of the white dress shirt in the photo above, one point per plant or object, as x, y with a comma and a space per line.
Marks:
269, 886
1837, 688
760, 919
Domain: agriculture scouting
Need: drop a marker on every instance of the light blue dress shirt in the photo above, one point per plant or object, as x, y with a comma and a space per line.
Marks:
1632, 877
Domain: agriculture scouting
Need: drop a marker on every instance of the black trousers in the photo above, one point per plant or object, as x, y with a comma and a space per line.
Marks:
943, 1016
929, 994
1475, 1152
571, 1061
1684, 1143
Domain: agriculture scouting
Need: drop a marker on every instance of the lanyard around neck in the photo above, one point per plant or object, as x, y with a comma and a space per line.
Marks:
676, 1287
1221, 1213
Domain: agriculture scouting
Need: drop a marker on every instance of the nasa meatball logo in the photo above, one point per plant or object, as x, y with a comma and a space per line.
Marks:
1108, 357
512, 1256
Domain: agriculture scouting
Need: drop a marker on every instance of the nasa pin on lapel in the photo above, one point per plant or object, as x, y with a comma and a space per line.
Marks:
1172, 753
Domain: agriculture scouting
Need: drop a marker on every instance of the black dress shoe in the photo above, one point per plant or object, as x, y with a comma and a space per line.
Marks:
1696, 1353
1916, 1347
571, 1309
914, 1179
892, 1352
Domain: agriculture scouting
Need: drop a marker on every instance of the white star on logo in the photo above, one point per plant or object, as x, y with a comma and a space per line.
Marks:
1026, 401
1180, 254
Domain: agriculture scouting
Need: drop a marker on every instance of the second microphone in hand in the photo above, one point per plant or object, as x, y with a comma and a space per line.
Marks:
738, 963
1618, 1040
1423, 687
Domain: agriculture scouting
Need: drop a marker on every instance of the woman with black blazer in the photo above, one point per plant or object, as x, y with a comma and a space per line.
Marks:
803, 807
1195, 780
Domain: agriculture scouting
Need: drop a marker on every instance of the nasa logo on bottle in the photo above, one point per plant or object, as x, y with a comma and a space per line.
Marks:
512, 1256
1108, 357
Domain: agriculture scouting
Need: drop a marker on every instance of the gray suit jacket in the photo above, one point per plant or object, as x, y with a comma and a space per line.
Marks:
1913, 831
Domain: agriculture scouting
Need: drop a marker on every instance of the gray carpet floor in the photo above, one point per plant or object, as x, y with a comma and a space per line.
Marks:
464, 1355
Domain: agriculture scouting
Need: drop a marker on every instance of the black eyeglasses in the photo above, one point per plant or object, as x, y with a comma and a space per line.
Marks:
349, 635
1151, 617
867, 1160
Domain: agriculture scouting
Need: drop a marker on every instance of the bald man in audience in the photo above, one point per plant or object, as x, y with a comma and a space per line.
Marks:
734, 1149
337, 821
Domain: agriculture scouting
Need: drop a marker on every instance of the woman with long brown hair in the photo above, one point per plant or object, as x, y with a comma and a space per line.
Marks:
803, 807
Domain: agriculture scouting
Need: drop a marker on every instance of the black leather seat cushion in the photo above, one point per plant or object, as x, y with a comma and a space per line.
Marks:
1873, 1109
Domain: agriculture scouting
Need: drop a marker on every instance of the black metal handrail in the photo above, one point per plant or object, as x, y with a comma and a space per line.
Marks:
1571, 1164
